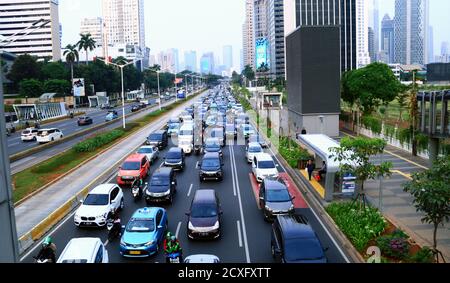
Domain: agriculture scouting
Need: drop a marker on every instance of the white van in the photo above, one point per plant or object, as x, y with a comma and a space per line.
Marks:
263, 167
186, 138
48, 135
84, 250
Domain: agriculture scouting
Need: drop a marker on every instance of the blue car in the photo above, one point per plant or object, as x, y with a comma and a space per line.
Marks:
144, 232
112, 115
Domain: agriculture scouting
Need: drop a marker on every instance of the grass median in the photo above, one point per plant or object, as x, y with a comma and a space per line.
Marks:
32, 179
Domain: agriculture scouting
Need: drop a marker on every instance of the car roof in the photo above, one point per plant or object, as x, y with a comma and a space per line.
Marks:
135, 157
295, 226
48, 129
103, 189
254, 144
264, 157
211, 155
163, 171
212, 140
159, 132
188, 126
175, 149
202, 258
202, 196
146, 212
80, 248
274, 184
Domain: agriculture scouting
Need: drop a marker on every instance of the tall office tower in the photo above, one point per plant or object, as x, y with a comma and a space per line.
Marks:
430, 45
93, 26
241, 61
190, 60
18, 15
374, 23
124, 21
228, 56
176, 59
445, 48
411, 32
362, 31
387, 39
275, 31
166, 59
260, 34
247, 35
372, 53
207, 63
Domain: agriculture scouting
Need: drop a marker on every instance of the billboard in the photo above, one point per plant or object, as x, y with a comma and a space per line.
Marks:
78, 87
261, 54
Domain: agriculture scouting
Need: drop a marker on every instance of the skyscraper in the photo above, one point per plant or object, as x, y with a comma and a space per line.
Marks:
445, 48
387, 39
176, 59
362, 33
248, 35
260, 34
228, 56
18, 15
190, 60
93, 26
207, 63
430, 45
411, 32
275, 32
124, 21
372, 45
168, 60
375, 24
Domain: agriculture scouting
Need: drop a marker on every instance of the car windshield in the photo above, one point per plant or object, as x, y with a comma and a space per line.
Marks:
131, 166
155, 137
204, 210
303, 249
160, 181
230, 128
173, 155
174, 126
212, 145
254, 149
96, 199
266, 164
26, 132
210, 163
145, 150
281, 195
255, 139
186, 133
247, 128
141, 225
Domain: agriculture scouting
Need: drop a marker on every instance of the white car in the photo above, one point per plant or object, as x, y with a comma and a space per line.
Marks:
263, 167
186, 145
48, 135
253, 149
152, 152
99, 203
29, 134
84, 250
202, 259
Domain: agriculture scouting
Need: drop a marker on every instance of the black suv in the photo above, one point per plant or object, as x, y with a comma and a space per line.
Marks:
162, 186
204, 216
175, 158
211, 167
274, 199
294, 241
159, 138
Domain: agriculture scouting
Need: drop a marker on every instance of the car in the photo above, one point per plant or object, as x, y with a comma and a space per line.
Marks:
112, 115
106, 106
151, 151
213, 145
48, 135
84, 250
294, 241
230, 131
83, 121
186, 145
29, 134
186, 137
258, 139
202, 259
173, 129
159, 138
162, 186
246, 130
204, 216
274, 198
211, 167
173, 120
135, 108
136, 166
252, 149
263, 166
211, 121
144, 232
98, 205
175, 158
216, 132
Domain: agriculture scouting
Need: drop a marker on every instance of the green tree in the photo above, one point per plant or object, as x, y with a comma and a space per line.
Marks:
61, 87
248, 73
54, 71
104, 77
72, 56
87, 43
236, 78
431, 192
24, 67
30, 88
354, 158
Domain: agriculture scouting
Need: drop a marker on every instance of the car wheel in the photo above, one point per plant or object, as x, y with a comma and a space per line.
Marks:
122, 204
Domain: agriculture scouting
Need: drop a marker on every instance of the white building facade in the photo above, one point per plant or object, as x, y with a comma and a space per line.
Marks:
93, 26
247, 34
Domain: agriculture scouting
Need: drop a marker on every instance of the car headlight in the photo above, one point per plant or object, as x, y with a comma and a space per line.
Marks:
216, 226
292, 208
149, 243
191, 227
268, 208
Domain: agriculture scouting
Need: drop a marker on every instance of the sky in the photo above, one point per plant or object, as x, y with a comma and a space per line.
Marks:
208, 25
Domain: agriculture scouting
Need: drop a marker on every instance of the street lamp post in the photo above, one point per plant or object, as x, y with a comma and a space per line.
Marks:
159, 91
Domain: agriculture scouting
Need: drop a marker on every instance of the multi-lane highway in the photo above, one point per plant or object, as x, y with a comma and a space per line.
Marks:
245, 235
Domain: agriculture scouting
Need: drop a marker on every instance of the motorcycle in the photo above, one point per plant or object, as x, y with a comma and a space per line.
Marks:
174, 257
137, 191
197, 149
113, 228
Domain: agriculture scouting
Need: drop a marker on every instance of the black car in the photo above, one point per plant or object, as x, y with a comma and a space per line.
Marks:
211, 167
274, 199
175, 158
159, 138
162, 186
83, 121
213, 145
204, 216
294, 241
135, 108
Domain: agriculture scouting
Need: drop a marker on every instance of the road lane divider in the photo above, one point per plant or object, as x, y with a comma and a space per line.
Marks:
178, 229
190, 190
239, 233
232, 170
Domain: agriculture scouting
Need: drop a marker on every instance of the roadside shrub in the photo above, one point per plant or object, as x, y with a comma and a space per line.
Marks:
360, 226
424, 255
394, 245
292, 154
56, 163
98, 141
372, 123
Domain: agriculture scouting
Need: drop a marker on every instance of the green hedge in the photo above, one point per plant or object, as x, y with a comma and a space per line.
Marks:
372, 123
360, 226
96, 142
292, 154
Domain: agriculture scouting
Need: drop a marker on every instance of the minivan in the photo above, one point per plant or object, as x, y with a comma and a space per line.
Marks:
159, 139
204, 216
175, 158
211, 167
275, 199
48, 135
162, 186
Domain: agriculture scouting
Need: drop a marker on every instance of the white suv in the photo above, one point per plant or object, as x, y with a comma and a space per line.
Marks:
253, 149
84, 250
29, 134
263, 167
48, 135
96, 208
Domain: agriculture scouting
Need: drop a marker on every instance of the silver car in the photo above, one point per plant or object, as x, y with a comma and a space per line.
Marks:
151, 151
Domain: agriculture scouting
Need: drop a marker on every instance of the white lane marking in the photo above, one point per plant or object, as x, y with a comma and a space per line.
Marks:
22, 161
244, 229
196, 165
13, 144
232, 171
106, 243
178, 230
190, 190
110, 179
239, 233
317, 217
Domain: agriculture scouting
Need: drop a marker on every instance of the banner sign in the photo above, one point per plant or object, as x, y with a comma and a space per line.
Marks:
78, 87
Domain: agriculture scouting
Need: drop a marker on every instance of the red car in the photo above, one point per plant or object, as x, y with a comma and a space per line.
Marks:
135, 166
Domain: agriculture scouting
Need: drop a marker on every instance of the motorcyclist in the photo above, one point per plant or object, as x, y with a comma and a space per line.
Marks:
48, 251
138, 182
173, 246
117, 226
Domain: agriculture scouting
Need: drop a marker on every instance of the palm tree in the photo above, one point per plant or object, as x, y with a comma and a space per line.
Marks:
72, 55
87, 43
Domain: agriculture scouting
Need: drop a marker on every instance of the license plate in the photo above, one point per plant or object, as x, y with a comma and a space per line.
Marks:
135, 252
88, 223
204, 234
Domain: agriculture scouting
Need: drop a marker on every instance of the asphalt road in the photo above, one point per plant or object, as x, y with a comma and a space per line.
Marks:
248, 243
